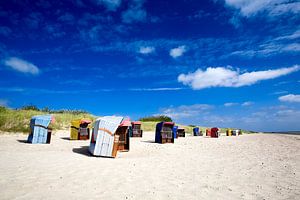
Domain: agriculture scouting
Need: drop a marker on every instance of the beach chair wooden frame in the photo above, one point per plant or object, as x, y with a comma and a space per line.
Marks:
164, 132
104, 142
181, 132
136, 129
40, 133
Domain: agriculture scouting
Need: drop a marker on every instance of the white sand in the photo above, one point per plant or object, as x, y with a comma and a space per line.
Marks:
257, 166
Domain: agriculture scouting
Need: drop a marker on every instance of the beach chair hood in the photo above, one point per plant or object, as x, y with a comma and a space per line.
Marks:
39, 128
102, 140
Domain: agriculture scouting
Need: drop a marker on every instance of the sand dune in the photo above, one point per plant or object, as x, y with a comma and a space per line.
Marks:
257, 166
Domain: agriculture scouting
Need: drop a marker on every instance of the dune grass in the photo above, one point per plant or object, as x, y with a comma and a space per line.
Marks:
19, 120
150, 126
12, 120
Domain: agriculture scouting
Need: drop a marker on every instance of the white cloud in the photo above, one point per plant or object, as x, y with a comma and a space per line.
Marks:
155, 89
226, 77
229, 104
292, 36
247, 103
249, 8
292, 47
269, 49
186, 111
3, 102
146, 50
177, 52
21, 65
290, 98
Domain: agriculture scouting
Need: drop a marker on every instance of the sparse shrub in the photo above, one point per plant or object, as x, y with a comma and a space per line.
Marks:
30, 107
158, 118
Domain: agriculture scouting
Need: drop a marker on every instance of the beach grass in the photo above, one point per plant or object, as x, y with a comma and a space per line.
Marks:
12, 120
18, 120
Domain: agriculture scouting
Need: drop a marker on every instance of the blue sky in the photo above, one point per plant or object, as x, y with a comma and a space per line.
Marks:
212, 63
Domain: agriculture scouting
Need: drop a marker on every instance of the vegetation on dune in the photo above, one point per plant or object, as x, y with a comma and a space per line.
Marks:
18, 120
48, 110
151, 125
157, 118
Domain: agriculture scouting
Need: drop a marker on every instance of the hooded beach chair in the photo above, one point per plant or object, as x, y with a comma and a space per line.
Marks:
228, 132
236, 132
104, 141
79, 129
214, 132
197, 131
40, 133
123, 132
164, 132
136, 129
208, 132
181, 132
175, 132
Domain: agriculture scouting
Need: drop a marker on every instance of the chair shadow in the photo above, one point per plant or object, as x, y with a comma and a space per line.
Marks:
84, 150
23, 141
65, 138
148, 141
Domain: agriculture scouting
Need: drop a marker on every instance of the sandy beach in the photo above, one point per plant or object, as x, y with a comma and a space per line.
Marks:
256, 166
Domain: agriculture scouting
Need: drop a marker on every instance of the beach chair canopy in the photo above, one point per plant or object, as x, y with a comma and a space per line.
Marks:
175, 128
78, 122
164, 131
236, 132
229, 132
103, 137
137, 123
214, 132
181, 131
80, 129
123, 132
196, 131
39, 129
125, 122
136, 129
41, 120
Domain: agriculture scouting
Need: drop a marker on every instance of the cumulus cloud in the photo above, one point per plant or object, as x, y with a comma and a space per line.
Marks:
21, 65
249, 8
229, 104
186, 111
146, 50
247, 103
177, 52
226, 77
290, 98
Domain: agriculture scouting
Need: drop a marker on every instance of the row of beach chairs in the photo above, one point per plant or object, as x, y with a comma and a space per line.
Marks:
110, 134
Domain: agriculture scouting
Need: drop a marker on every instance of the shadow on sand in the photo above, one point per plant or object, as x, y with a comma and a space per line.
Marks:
23, 141
65, 138
148, 141
84, 150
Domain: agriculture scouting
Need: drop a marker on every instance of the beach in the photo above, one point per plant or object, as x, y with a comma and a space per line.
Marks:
254, 166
